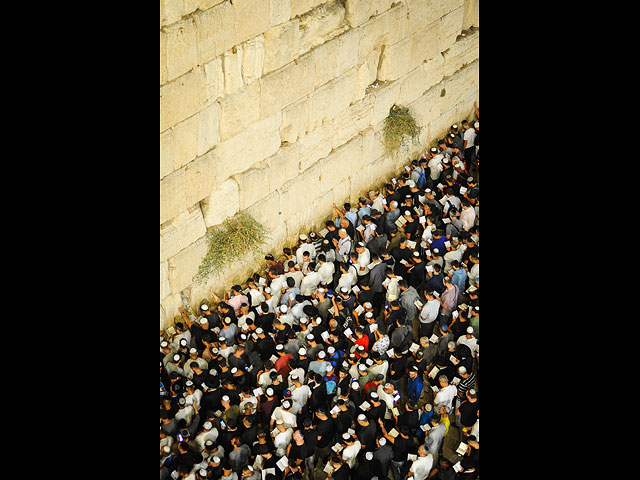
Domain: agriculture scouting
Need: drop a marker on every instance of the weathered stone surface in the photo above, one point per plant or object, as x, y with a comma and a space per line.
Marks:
284, 165
279, 11
166, 153
359, 11
163, 58
232, 68
462, 52
299, 7
387, 28
181, 231
394, 61
425, 44
172, 11
420, 79
221, 203
315, 144
182, 48
214, 79
384, 98
471, 18
253, 184
185, 141
320, 24
252, 18
239, 110
286, 85
182, 98
280, 45
253, 59
450, 28
216, 31
331, 98
184, 265
208, 132
340, 164
186, 186
295, 120
351, 121
252, 145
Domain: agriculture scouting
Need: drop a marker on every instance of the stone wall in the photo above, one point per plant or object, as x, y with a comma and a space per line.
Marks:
264, 103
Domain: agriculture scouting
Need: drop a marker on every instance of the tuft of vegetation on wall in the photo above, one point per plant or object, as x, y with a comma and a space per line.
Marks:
235, 237
399, 123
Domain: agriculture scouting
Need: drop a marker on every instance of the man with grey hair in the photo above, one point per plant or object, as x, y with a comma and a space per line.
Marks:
391, 216
376, 198
343, 245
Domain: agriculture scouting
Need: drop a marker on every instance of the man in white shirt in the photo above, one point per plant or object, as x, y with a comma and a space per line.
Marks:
300, 392
435, 164
326, 269
469, 138
468, 214
421, 466
208, 433
393, 290
310, 283
364, 259
385, 392
346, 279
376, 198
305, 246
277, 282
350, 452
469, 340
283, 413
428, 315
446, 394
343, 246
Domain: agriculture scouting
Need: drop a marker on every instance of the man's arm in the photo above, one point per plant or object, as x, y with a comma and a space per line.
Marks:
384, 432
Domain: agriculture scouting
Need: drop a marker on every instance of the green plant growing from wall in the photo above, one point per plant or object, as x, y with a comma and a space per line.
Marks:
236, 236
399, 123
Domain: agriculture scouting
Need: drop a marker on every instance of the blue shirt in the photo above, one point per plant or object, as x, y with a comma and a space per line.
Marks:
459, 278
439, 244
290, 293
414, 388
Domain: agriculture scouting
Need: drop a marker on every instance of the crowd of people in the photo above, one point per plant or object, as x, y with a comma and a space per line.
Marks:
353, 355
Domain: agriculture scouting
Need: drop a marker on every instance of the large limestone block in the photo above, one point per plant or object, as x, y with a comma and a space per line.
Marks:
387, 28
182, 48
420, 79
372, 144
471, 17
321, 24
315, 145
284, 165
425, 44
253, 59
340, 164
267, 212
214, 79
216, 31
208, 132
299, 7
166, 153
347, 51
239, 110
232, 68
165, 286
184, 265
253, 184
427, 107
394, 61
332, 98
172, 11
286, 85
359, 11
297, 193
186, 186
462, 52
181, 231
295, 120
185, 141
325, 60
252, 18
450, 28
280, 45
252, 145
279, 11
182, 98
163, 57
351, 121
221, 203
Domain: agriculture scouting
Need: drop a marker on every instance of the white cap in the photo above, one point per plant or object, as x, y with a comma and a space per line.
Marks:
368, 456
279, 347
234, 370
176, 357
469, 329
302, 351
194, 350
367, 305
346, 436
204, 307
283, 308
310, 337
225, 398
166, 449
374, 395
303, 236
269, 392
227, 320
216, 459
462, 370
259, 330
208, 425
382, 441
202, 472
164, 344
329, 367
368, 315
267, 289
331, 350
362, 417
344, 290
362, 367
321, 354
476, 125
203, 320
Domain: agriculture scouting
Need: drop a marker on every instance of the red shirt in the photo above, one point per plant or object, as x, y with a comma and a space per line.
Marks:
364, 341
283, 367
